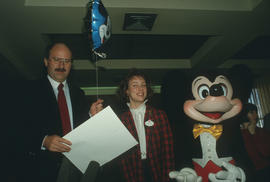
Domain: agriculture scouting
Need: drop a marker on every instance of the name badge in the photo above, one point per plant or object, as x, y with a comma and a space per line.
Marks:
149, 123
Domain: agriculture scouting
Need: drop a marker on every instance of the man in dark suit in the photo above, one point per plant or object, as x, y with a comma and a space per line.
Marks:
45, 120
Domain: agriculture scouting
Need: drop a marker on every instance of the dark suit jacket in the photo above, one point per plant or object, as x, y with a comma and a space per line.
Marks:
42, 118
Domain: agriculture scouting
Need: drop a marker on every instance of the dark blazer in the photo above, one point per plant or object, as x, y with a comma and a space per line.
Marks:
42, 118
159, 144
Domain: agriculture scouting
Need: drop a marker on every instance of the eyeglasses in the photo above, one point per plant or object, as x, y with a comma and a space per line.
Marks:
64, 60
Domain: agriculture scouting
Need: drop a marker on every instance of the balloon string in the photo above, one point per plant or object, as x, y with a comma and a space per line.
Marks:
96, 75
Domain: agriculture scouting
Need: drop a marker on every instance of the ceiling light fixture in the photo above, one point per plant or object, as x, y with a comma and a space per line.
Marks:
139, 21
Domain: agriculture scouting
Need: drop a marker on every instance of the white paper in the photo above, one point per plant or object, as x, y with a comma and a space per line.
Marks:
101, 138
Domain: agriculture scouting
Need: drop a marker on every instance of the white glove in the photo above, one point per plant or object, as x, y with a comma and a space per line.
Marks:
231, 174
185, 175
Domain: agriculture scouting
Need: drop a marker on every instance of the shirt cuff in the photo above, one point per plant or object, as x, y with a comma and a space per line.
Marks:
42, 146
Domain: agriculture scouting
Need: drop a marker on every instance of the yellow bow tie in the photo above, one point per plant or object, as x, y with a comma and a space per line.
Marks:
214, 130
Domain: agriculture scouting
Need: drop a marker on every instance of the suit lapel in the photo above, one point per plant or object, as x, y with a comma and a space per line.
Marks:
51, 105
48, 90
74, 103
132, 127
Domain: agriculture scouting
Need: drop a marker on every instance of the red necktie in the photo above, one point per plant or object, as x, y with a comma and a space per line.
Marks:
62, 104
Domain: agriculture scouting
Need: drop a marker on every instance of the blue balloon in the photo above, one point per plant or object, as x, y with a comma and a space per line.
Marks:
98, 24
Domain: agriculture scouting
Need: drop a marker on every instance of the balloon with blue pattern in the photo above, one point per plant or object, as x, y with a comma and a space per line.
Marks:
98, 24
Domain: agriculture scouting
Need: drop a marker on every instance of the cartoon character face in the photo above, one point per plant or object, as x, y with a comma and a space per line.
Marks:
213, 101
105, 31
97, 22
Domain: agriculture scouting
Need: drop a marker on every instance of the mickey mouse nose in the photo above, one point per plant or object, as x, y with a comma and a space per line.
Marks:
216, 90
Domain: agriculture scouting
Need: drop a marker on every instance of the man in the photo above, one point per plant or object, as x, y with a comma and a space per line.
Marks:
44, 142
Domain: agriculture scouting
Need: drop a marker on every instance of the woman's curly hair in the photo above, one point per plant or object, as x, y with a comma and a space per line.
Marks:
121, 92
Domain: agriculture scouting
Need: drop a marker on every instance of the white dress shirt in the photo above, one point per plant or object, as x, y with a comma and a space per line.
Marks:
55, 85
138, 117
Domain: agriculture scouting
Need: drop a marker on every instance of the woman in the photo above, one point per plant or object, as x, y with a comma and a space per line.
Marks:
153, 158
256, 142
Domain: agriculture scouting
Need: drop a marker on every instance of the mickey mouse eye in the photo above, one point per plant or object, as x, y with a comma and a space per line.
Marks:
224, 88
203, 91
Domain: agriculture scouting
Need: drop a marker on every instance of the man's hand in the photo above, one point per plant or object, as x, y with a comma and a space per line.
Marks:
56, 143
96, 107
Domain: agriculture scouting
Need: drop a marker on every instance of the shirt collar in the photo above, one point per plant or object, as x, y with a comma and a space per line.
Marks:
54, 83
138, 109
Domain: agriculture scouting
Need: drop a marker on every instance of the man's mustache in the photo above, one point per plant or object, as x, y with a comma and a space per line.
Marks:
60, 69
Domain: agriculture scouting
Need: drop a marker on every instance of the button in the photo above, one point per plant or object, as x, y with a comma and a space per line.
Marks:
209, 150
209, 157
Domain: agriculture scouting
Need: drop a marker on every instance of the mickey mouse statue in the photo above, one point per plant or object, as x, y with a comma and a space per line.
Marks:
215, 146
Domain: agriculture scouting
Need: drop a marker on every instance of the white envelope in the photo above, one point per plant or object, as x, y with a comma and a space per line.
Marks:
101, 138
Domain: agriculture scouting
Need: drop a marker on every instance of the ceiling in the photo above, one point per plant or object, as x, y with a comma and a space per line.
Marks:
186, 35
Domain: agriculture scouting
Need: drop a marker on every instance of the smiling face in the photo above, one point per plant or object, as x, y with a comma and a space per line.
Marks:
213, 101
58, 70
137, 91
